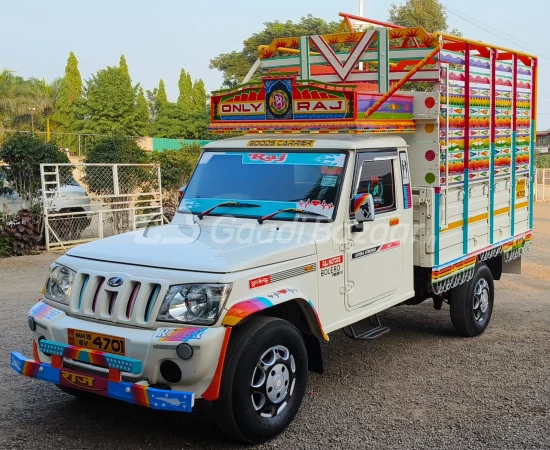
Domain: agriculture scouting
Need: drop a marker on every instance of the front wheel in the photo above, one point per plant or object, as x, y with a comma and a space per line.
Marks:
264, 380
472, 303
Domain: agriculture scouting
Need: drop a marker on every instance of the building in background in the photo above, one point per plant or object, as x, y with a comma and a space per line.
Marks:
543, 141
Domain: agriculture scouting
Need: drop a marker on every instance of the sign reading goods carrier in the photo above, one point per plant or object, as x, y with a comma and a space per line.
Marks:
293, 143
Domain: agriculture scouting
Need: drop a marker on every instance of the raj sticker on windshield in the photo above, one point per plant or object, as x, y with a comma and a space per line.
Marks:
296, 159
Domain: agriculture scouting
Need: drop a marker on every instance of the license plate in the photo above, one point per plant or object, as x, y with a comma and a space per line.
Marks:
96, 341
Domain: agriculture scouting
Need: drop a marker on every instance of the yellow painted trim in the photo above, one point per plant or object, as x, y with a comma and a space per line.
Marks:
500, 212
460, 223
522, 205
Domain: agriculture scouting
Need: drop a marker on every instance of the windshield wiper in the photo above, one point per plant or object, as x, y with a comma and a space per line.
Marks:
227, 205
289, 210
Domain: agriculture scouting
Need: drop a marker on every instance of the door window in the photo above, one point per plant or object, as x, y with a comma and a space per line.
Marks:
377, 178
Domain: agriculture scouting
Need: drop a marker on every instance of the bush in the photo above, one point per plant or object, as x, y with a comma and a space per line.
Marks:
542, 161
176, 167
23, 153
116, 150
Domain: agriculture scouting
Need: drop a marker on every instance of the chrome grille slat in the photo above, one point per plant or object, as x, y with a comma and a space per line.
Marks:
89, 285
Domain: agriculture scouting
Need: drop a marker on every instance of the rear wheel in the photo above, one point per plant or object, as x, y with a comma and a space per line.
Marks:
472, 303
264, 380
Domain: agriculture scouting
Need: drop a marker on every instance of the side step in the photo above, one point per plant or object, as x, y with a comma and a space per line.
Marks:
368, 335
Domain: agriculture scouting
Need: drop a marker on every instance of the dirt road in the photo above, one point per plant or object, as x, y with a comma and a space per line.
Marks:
417, 387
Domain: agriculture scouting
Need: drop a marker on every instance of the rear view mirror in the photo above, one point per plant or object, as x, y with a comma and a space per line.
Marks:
363, 208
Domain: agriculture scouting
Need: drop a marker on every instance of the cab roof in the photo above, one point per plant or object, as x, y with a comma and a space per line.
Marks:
309, 142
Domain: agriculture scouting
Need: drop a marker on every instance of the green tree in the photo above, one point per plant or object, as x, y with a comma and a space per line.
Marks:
24, 153
161, 98
68, 113
111, 103
185, 90
174, 122
428, 14
142, 111
176, 167
235, 65
199, 96
123, 65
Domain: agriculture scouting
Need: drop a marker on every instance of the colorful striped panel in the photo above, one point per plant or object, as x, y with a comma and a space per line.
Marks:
407, 196
91, 356
127, 392
325, 336
244, 309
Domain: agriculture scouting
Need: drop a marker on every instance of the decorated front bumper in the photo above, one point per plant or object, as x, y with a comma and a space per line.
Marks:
113, 386
151, 347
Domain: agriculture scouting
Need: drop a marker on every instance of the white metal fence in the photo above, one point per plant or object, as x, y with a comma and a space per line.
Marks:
84, 202
542, 185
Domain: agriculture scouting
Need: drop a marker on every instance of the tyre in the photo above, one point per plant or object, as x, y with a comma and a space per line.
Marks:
472, 303
264, 380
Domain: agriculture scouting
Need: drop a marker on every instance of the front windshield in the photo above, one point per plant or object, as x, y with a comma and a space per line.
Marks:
271, 181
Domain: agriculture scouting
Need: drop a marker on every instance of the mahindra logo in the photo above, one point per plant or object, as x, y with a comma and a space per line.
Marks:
115, 282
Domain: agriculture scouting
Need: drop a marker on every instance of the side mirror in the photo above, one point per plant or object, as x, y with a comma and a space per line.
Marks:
363, 208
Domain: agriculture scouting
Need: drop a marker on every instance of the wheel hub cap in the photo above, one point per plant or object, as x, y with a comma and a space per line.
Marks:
273, 381
481, 300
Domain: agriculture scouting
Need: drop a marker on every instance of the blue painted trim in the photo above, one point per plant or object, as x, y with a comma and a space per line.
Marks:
152, 303
113, 361
513, 186
437, 227
492, 196
155, 398
82, 290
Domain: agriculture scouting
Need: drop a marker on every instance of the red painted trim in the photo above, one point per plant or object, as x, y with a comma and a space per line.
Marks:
371, 21
515, 100
467, 71
57, 362
535, 87
35, 351
213, 391
494, 97
115, 375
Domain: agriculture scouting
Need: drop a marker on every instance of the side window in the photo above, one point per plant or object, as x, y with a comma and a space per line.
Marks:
378, 180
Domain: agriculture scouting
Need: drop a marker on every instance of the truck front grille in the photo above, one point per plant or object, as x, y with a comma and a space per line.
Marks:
134, 302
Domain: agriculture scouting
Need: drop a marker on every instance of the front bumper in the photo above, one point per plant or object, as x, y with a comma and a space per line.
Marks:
113, 387
149, 349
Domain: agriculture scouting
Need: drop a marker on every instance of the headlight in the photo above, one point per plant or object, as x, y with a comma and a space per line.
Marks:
58, 287
198, 304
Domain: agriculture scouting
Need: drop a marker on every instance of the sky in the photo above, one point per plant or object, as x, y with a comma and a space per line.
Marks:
160, 37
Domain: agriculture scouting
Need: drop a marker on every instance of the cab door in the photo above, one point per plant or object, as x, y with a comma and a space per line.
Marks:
374, 256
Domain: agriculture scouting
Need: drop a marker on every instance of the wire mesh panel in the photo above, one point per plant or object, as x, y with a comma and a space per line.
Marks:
83, 202
542, 183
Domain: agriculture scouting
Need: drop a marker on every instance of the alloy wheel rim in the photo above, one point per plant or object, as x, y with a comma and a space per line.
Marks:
273, 381
480, 305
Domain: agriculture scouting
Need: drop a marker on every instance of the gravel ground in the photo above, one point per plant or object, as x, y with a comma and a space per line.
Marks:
417, 387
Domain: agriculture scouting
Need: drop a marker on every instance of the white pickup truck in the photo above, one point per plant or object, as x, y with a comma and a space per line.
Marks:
280, 240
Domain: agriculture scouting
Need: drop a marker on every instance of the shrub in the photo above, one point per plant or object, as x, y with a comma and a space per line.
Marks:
21, 234
542, 161
23, 153
116, 150
176, 167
